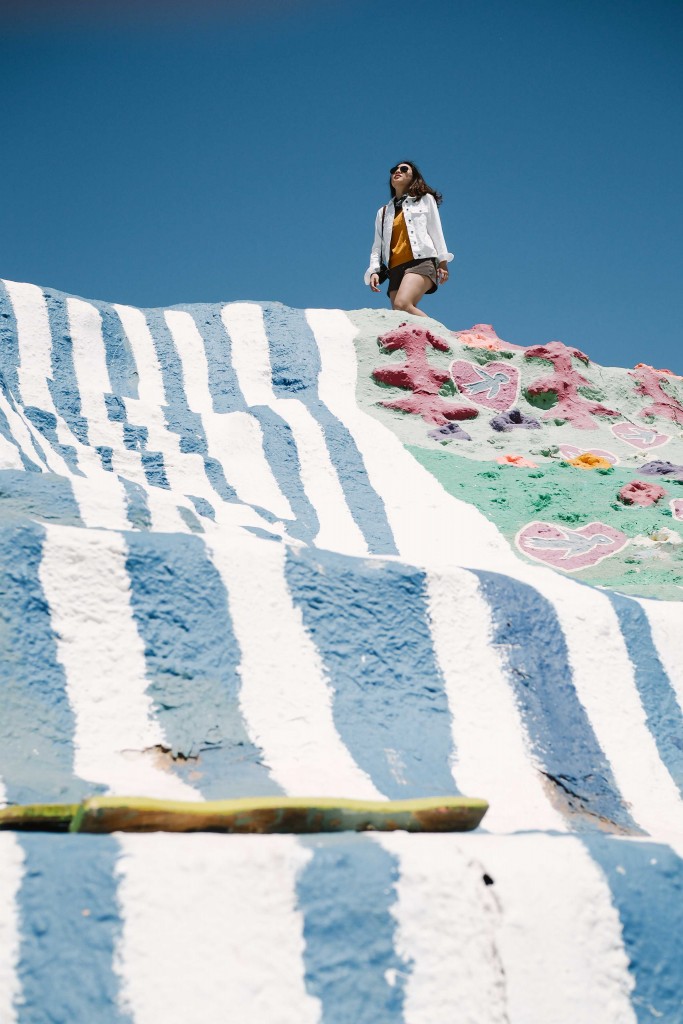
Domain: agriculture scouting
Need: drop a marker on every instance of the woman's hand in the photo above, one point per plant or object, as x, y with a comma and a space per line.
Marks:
374, 282
442, 272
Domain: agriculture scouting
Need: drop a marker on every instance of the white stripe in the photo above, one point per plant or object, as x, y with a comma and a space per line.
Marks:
9, 455
430, 527
493, 757
251, 361
11, 871
666, 623
447, 923
90, 366
604, 679
150, 378
211, 930
84, 578
101, 501
559, 936
235, 438
284, 696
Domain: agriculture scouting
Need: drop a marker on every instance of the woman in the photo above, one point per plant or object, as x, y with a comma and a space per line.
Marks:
409, 240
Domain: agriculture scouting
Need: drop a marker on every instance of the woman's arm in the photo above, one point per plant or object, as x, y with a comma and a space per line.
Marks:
436, 232
376, 251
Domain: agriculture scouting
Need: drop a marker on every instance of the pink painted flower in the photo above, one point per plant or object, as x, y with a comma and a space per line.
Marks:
638, 492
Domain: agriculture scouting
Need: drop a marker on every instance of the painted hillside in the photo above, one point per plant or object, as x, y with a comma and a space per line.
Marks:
249, 550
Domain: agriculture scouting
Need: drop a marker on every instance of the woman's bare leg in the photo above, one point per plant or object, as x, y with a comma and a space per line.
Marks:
411, 290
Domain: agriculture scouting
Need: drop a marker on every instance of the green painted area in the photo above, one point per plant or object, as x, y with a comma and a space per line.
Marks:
559, 493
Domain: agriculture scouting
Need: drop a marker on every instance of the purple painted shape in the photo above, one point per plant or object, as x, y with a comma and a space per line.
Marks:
565, 382
570, 451
494, 386
677, 508
659, 468
639, 437
418, 376
514, 418
649, 384
567, 549
449, 432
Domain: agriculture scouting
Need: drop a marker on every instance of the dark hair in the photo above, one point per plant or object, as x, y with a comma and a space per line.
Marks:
418, 186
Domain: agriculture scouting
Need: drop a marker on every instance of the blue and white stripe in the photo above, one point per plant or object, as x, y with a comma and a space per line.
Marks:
221, 576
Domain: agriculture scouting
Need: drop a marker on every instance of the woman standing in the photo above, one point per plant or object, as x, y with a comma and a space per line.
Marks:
409, 241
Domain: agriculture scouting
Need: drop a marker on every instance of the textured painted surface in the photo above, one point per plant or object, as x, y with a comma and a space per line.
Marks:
247, 550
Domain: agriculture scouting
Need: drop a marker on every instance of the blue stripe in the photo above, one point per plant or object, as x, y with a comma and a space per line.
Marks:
70, 924
370, 625
64, 385
527, 631
664, 717
121, 365
192, 659
646, 880
31, 496
9, 342
346, 894
37, 723
137, 508
296, 368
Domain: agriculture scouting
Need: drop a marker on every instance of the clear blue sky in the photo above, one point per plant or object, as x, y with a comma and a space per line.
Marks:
208, 151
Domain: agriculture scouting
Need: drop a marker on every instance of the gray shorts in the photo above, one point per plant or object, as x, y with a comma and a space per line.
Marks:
425, 268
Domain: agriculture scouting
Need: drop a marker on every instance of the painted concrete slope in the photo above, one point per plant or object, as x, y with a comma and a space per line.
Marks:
249, 550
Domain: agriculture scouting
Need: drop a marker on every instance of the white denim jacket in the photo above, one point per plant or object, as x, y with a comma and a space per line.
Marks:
424, 231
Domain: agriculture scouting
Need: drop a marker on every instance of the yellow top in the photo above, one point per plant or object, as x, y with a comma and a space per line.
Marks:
401, 251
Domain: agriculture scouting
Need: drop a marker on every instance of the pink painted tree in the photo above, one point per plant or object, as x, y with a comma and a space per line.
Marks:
648, 383
419, 377
564, 382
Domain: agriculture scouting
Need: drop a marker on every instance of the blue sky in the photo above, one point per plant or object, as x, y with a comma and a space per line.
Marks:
174, 152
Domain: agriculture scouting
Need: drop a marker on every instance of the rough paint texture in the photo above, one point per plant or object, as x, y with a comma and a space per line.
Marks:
247, 551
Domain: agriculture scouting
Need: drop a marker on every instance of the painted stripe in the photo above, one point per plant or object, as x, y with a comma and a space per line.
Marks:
91, 369
251, 360
214, 919
192, 662
137, 509
369, 623
103, 659
9, 349
647, 882
447, 929
561, 734
597, 651
69, 927
664, 618
62, 380
288, 710
558, 936
347, 895
234, 438
34, 700
493, 756
120, 362
663, 713
296, 369
11, 871
34, 368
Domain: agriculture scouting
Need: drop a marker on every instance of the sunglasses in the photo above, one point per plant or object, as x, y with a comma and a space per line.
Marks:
403, 168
